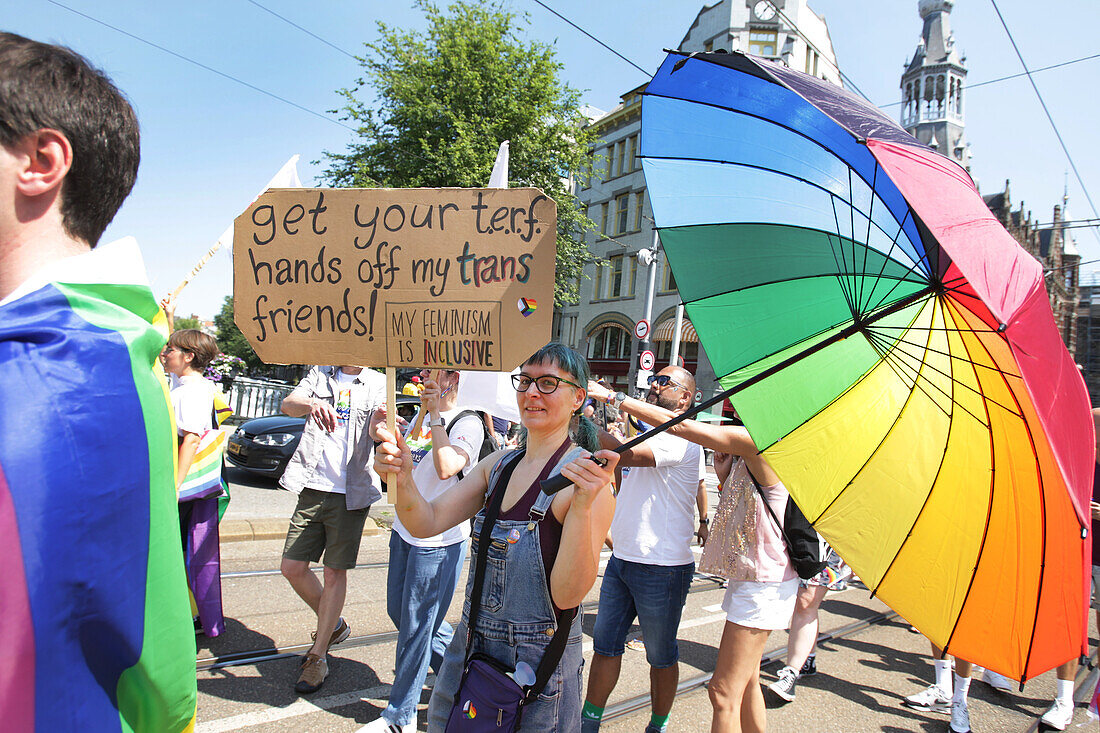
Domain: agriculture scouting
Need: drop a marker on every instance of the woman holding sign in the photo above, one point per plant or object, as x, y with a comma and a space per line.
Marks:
538, 558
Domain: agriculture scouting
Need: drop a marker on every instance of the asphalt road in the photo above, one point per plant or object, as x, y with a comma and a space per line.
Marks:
862, 680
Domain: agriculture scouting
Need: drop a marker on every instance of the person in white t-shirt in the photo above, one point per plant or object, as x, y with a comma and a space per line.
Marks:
423, 571
330, 472
185, 356
652, 564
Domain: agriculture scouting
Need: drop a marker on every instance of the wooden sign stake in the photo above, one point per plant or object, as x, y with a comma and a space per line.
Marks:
391, 424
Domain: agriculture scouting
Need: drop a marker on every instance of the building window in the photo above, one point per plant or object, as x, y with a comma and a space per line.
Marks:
601, 277
633, 141
622, 270
709, 46
621, 145
615, 276
639, 199
609, 342
603, 218
610, 161
622, 211
668, 280
762, 42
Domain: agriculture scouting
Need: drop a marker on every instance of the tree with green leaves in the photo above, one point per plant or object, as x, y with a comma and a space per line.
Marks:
180, 324
231, 341
444, 100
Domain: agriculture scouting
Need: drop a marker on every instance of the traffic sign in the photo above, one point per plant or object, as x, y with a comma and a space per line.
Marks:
641, 329
699, 396
646, 359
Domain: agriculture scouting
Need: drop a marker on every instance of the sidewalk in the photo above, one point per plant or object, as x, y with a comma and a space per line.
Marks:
260, 510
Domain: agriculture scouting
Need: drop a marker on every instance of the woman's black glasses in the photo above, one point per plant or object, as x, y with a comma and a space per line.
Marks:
546, 384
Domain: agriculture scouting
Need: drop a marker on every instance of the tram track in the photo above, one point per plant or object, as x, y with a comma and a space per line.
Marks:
702, 582
641, 702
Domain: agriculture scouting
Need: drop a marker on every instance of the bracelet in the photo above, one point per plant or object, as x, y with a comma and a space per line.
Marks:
704, 520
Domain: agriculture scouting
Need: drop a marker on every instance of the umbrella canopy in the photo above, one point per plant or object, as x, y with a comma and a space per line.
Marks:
892, 348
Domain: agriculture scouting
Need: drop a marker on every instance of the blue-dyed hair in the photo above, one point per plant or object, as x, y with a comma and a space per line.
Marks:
583, 431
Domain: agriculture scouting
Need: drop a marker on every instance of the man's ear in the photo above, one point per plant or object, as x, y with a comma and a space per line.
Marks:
48, 156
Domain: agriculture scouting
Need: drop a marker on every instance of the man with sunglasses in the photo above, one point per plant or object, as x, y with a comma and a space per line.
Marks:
652, 564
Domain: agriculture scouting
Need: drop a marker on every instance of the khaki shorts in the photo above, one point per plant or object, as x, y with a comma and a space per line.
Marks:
323, 523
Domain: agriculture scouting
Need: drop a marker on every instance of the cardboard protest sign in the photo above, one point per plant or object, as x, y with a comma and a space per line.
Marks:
453, 278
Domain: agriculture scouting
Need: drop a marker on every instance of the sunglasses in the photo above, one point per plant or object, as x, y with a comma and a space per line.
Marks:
663, 380
547, 384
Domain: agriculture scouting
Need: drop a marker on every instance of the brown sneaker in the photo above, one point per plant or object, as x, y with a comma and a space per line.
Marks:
339, 634
314, 672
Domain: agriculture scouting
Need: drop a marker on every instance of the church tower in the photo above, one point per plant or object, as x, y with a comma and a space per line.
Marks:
932, 86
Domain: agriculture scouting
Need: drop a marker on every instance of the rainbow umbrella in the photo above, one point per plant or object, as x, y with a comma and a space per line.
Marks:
93, 602
889, 346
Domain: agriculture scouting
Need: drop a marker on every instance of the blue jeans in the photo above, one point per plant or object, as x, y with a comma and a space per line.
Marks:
653, 593
419, 588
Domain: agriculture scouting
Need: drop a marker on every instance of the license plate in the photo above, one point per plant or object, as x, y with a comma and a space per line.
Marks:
234, 448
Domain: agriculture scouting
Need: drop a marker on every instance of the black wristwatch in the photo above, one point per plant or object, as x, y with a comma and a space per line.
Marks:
704, 520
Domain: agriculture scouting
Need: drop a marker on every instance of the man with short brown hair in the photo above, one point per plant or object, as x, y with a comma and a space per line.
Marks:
330, 471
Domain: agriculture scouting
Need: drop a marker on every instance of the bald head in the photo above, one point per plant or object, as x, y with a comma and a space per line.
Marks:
682, 376
678, 394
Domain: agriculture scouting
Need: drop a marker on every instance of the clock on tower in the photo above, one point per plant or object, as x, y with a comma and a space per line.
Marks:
763, 10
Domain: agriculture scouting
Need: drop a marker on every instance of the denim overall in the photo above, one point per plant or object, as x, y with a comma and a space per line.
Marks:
516, 623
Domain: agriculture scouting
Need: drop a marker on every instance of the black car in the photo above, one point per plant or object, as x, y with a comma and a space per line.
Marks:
264, 445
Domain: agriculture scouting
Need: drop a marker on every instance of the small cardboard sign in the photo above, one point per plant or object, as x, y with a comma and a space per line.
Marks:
451, 278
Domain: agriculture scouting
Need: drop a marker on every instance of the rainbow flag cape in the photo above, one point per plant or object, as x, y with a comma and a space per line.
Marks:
95, 616
204, 478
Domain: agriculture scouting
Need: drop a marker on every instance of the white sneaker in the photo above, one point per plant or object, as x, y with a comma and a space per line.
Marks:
784, 686
960, 718
381, 726
932, 699
1059, 715
997, 681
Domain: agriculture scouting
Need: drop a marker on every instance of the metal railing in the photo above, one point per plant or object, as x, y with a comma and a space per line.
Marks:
249, 398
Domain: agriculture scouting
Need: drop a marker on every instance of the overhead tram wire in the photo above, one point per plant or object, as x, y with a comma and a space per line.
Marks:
226, 75
309, 33
847, 79
1050, 118
1010, 76
201, 65
648, 74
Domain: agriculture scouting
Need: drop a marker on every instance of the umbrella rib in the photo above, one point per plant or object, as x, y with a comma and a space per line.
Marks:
870, 217
949, 354
884, 298
780, 173
1042, 522
843, 270
944, 330
852, 228
886, 258
896, 353
801, 134
988, 514
927, 498
946, 353
833, 275
840, 493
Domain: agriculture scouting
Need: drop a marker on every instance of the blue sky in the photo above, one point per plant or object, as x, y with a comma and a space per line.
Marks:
209, 143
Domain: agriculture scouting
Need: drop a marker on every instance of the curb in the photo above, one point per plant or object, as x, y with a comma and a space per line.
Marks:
245, 530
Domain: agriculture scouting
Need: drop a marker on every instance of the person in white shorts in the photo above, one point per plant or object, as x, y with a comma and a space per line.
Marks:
746, 546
